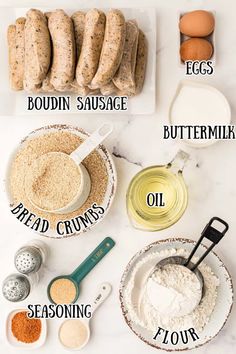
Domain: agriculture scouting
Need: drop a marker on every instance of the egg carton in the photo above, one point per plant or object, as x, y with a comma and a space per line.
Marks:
211, 38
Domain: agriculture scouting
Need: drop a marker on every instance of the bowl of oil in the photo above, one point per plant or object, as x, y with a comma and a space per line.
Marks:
157, 196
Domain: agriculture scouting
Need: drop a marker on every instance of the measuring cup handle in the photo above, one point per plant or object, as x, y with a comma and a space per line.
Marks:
91, 143
212, 234
103, 293
94, 258
178, 162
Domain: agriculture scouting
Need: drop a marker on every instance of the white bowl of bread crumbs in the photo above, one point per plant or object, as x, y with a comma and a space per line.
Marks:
99, 164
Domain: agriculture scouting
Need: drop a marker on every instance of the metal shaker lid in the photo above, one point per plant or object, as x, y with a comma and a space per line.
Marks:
16, 287
28, 259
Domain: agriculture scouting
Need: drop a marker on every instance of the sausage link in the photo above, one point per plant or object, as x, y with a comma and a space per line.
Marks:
11, 39
63, 42
82, 91
73, 87
16, 49
140, 68
46, 85
20, 50
37, 50
112, 48
134, 50
141, 62
108, 89
79, 90
94, 92
78, 19
124, 78
91, 47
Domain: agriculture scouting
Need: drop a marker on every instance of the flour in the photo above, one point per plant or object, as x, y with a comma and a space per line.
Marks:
174, 290
143, 312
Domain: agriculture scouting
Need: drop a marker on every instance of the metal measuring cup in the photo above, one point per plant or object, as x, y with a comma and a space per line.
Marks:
210, 233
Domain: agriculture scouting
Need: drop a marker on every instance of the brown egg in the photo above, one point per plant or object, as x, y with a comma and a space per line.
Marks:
196, 49
197, 23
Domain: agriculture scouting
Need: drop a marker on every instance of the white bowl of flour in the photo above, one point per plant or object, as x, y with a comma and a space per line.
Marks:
168, 328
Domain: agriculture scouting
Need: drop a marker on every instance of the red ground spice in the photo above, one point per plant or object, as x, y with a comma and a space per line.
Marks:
25, 329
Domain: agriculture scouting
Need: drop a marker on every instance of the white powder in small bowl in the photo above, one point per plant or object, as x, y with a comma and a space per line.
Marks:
73, 334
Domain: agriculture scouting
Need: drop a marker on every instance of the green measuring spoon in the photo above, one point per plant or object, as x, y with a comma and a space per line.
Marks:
67, 286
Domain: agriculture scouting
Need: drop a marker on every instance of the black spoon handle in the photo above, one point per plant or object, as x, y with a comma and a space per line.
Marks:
211, 234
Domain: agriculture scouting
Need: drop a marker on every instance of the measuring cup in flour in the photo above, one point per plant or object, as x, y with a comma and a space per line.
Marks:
64, 289
74, 334
75, 174
174, 265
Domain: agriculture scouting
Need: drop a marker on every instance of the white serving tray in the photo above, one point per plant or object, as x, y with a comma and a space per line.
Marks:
14, 103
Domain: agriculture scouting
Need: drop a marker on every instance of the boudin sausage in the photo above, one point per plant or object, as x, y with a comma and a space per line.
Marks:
112, 48
91, 47
37, 49
124, 78
78, 90
20, 49
82, 91
140, 68
73, 87
108, 89
16, 44
141, 62
11, 38
46, 85
63, 42
78, 19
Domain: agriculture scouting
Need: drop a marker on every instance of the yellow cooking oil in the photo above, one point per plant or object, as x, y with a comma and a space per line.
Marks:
157, 197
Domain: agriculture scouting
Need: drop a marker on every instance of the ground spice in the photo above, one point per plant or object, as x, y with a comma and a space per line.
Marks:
61, 141
25, 329
63, 291
73, 334
53, 181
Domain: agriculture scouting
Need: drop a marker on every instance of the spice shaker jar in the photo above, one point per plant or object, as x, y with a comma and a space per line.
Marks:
29, 258
17, 287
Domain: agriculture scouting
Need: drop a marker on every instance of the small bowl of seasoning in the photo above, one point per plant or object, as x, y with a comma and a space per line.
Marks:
25, 332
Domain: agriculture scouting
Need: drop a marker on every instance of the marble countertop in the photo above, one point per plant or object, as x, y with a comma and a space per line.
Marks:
136, 142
